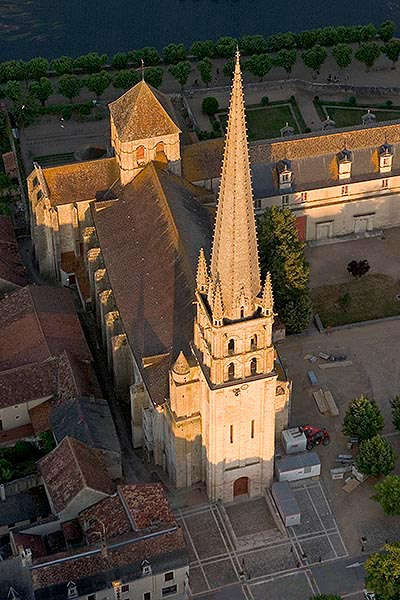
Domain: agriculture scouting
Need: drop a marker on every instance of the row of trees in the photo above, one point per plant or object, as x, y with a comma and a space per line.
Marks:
224, 47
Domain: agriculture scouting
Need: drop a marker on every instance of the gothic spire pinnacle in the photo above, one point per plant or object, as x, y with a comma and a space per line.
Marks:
181, 365
218, 303
234, 254
202, 280
267, 299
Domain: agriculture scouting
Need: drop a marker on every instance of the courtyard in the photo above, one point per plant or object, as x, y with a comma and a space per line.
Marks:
348, 116
265, 122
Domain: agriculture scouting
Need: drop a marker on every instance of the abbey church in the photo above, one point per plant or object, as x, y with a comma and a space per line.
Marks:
185, 319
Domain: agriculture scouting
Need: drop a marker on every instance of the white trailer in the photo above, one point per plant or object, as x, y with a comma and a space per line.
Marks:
286, 503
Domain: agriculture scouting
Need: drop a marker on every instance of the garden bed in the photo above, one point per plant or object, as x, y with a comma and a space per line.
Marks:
264, 122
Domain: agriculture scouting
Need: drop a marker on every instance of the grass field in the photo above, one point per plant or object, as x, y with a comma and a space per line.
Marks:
347, 117
265, 122
370, 297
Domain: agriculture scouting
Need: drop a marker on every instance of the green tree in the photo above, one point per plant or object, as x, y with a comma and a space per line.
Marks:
98, 82
306, 39
69, 86
376, 457
253, 44
392, 51
282, 254
367, 53
37, 68
125, 79
6, 470
314, 57
210, 105
181, 71
259, 65
12, 70
150, 56
362, 419
174, 53
205, 69
13, 90
25, 110
383, 572
367, 32
154, 76
343, 55
62, 65
386, 30
202, 49
41, 89
286, 59
91, 62
388, 494
120, 60
46, 442
225, 47
327, 36
229, 67
395, 404
280, 40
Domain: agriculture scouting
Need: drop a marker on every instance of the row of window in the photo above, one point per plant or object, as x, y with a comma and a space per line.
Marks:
251, 431
231, 369
344, 192
124, 589
141, 150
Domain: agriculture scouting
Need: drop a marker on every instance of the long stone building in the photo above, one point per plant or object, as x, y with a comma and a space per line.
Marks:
187, 324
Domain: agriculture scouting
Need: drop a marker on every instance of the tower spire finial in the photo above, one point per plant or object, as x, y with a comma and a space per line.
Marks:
234, 254
202, 280
142, 68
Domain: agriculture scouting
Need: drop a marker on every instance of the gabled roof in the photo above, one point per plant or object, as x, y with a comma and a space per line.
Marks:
70, 468
142, 112
87, 419
158, 225
80, 181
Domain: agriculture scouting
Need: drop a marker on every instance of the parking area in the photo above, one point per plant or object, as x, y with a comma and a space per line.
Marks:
220, 567
374, 370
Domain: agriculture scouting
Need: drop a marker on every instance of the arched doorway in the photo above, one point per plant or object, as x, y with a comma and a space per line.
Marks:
241, 486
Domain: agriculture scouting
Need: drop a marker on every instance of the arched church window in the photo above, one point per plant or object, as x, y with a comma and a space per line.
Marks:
242, 312
231, 347
140, 153
160, 147
253, 366
231, 371
253, 342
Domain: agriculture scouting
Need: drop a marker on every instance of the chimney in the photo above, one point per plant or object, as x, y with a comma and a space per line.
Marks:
26, 556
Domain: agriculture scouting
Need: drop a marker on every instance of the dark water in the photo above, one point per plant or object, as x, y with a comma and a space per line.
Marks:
72, 27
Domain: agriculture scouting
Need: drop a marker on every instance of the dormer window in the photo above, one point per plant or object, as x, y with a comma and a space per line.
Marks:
385, 158
344, 159
72, 591
284, 174
146, 568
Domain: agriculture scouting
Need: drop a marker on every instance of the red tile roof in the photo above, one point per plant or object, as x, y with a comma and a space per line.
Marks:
40, 417
12, 268
109, 511
28, 382
147, 504
72, 467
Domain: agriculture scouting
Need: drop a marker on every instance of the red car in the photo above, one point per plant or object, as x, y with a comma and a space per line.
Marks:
315, 436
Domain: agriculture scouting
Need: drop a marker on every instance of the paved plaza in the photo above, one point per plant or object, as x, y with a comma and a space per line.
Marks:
219, 568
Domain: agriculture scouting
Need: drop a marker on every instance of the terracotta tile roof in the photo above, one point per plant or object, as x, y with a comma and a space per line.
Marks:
203, 160
109, 511
71, 467
11, 266
72, 531
158, 215
142, 112
80, 181
10, 163
33, 542
40, 417
28, 382
147, 504
18, 433
39, 322
125, 558
75, 377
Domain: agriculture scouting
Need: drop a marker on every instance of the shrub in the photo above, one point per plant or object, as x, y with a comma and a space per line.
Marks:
209, 105
352, 101
264, 100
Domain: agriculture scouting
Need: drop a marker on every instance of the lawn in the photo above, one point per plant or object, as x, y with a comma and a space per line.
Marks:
265, 122
371, 297
347, 117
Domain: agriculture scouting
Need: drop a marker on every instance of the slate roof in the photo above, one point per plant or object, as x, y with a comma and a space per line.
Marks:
80, 181
158, 225
25, 505
142, 112
11, 265
14, 574
312, 157
86, 419
71, 467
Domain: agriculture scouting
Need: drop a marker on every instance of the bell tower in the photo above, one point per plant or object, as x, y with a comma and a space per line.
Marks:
233, 333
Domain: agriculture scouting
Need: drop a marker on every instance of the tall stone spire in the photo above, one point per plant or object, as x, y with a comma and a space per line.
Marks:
202, 274
234, 254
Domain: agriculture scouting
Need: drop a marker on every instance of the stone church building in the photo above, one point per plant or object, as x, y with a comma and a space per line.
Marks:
185, 319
